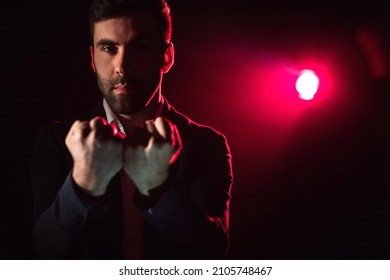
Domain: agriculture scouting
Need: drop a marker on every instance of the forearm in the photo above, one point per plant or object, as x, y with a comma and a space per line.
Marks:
183, 223
57, 229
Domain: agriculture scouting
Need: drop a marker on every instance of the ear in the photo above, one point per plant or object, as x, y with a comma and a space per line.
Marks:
169, 57
92, 58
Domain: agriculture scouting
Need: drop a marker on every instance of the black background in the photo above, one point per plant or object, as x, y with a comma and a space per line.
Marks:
323, 194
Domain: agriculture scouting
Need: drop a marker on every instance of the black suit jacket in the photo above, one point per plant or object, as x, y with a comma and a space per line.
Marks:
190, 221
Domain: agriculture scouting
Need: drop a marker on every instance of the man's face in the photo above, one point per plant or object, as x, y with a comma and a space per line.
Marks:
128, 58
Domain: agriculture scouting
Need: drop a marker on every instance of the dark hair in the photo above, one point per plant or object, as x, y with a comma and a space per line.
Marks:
105, 9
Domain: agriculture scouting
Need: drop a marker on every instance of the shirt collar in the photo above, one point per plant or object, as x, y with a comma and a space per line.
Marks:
113, 119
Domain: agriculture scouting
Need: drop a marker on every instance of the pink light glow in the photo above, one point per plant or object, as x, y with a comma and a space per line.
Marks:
307, 85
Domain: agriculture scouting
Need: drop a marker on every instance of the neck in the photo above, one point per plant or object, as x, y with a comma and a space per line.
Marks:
149, 112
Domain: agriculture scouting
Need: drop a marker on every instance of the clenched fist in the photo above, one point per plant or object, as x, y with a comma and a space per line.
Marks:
149, 151
97, 151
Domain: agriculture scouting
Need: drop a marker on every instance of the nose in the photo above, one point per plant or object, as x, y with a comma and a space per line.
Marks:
124, 62
119, 63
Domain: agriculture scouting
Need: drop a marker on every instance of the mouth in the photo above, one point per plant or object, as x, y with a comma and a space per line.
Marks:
120, 89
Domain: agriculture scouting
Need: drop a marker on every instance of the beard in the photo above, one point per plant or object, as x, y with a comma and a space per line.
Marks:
136, 98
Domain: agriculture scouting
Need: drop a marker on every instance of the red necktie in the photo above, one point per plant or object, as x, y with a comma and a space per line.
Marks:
132, 221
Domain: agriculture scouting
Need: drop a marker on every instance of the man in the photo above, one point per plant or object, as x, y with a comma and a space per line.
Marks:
134, 178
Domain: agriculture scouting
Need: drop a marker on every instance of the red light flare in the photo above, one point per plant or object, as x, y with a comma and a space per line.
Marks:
273, 103
307, 84
274, 87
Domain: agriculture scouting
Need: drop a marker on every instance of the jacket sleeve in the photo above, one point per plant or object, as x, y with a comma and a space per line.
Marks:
59, 211
193, 214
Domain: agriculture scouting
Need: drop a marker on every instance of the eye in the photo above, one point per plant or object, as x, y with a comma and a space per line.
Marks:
110, 49
141, 47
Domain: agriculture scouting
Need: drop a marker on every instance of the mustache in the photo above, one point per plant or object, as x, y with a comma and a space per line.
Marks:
122, 80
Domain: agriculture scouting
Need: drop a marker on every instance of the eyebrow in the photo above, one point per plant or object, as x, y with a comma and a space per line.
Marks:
105, 42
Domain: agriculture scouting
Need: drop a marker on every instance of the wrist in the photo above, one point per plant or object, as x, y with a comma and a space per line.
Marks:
143, 202
89, 184
147, 184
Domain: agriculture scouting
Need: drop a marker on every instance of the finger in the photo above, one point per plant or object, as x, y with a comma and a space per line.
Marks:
97, 123
103, 130
116, 132
176, 140
101, 134
156, 137
149, 124
85, 128
80, 129
77, 126
164, 128
176, 143
142, 135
